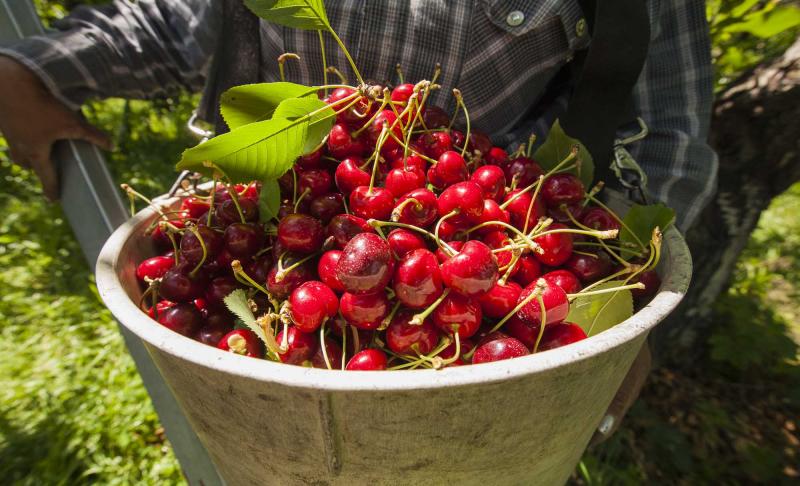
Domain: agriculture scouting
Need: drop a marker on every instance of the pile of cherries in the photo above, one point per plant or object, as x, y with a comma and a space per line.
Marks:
396, 247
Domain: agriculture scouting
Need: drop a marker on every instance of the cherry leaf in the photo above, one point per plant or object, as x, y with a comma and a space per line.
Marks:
596, 313
557, 147
640, 221
298, 14
269, 200
250, 103
236, 302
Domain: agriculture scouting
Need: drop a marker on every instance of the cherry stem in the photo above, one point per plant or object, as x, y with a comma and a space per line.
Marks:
584, 293
536, 291
282, 60
418, 319
175, 249
196, 233
543, 324
376, 155
447, 248
539, 183
399, 72
347, 55
600, 235
531, 142
281, 273
322, 334
388, 319
299, 199
324, 66
369, 122
376, 223
615, 247
460, 101
344, 344
342, 77
619, 220
531, 244
516, 254
213, 198
242, 276
398, 210
456, 355
356, 339
235, 199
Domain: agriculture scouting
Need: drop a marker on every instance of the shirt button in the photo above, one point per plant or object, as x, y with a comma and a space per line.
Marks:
515, 18
580, 27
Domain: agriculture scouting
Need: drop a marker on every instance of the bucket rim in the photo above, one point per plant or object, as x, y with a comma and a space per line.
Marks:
127, 313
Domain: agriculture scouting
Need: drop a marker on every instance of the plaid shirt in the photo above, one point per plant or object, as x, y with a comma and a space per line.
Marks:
501, 61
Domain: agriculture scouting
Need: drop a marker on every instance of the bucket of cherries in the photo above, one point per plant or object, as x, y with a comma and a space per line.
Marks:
359, 228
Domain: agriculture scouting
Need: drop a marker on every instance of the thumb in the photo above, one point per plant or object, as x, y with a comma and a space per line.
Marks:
88, 132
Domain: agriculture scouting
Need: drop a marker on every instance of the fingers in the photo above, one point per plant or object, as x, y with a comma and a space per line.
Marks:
43, 167
85, 131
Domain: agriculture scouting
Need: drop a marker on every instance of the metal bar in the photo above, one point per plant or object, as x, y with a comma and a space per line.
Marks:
94, 209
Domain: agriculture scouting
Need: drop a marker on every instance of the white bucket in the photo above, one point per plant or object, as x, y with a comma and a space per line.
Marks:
520, 421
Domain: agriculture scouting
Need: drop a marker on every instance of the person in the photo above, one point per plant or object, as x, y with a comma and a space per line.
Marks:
502, 55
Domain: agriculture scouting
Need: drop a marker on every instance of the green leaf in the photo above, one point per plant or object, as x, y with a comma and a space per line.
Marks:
766, 24
269, 200
263, 150
596, 313
298, 14
252, 103
640, 221
236, 302
556, 148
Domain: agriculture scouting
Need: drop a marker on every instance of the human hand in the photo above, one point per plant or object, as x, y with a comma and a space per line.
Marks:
32, 120
626, 395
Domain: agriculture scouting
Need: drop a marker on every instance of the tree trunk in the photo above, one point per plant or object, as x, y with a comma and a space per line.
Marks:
756, 132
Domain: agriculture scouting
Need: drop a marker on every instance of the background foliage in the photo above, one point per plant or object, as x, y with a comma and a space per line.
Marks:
73, 410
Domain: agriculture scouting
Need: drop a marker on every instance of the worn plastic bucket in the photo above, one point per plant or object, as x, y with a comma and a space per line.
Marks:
520, 421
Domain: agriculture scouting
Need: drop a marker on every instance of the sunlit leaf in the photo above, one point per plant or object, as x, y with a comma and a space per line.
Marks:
596, 313
298, 14
252, 103
766, 24
269, 200
556, 148
236, 302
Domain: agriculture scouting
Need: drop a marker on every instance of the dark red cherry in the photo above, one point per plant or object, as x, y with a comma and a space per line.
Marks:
301, 346
555, 301
191, 249
179, 285
479, 142
401, 181
524, 170
350, 175
259, 268
403, 241
365, 264
367, 360
334, 353
465, 198
589, 267
565, 213
182, 318
243, 240
472, 271
492, 181
417, 208
496, 156
154, 267
364, 311
315, 183
559, 335
465, 356
458, 313
326, 268
343, 227
312, 303
325, 207
435, 117
564, 279
226, 213
562, 189
300, 233
291, 280
405, 338
375, 203
523, 209
310, 161
499, 349
417, 279
500, 300
436, 143
211, 334
218, 289
599, 219
449, 169
556, 247
528, 270
652, 283
526, 332
242, 341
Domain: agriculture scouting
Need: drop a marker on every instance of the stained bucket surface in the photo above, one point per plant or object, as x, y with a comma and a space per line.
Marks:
521, 421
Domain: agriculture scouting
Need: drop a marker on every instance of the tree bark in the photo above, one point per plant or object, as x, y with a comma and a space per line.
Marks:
756, 132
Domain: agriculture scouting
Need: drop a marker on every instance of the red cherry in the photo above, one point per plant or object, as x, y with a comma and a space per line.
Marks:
325, 207
492, 213
191, 249
315, 182
528, 270
492, 181
375, 203
211, 334
523, 208
161, 306
365, 264
241, 341
458, 313
449, 169
326, 268
312, 303
559, 335
479, 142
291, 280
402, 92
341, 144
227, 213
218, 289
443, 256
496, 240
350, 175
367, 360
466, 198
195, 206
565, 213
589, 268
403, 241
402, 181
388, 119
564, 279
405, 338
411, 162
243, 240
435, 117
343, 227
154, 267
652, 283
184, 319
466, 346
310, 161
472, 271
179, 285
417, 279
562, 189
499, 349
497, 156
364, 311
421, 212
436, 143
334, 353
351, 115
555, 302
599, 219
500, 300
526, 332
300, 233
300, 346
526, 171
453, 231
556, 247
